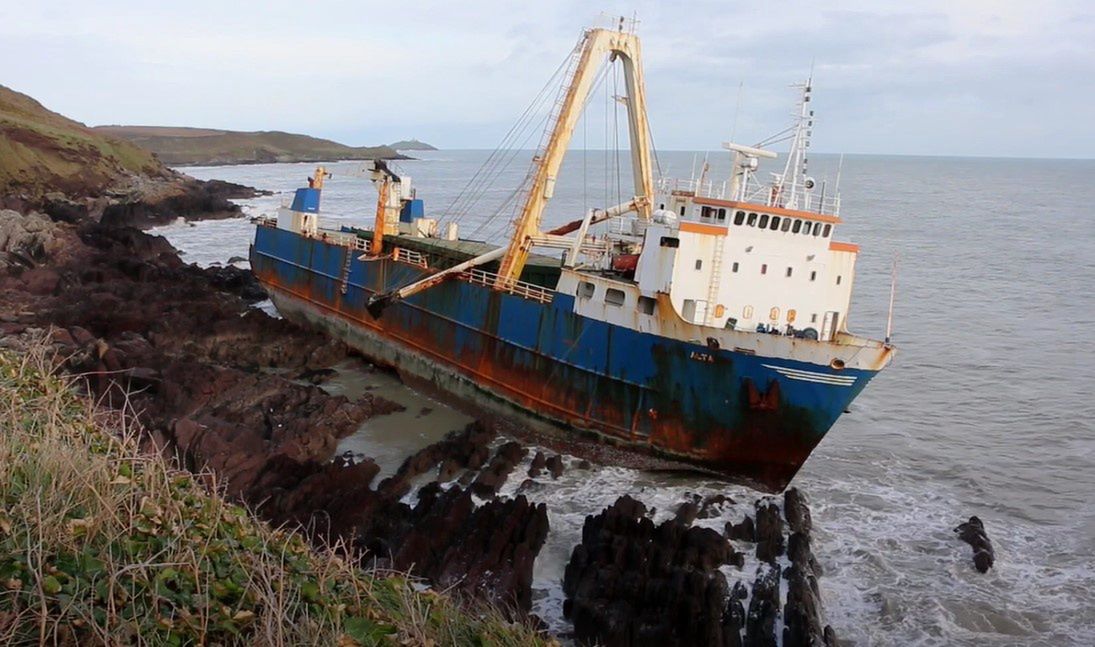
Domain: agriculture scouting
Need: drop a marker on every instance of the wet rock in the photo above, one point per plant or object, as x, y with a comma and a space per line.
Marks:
802, 612
743, 530
973, 533
686, 512
769, 528
798, 551
760, 623
584, 465
629, 582
829, 637
554, 466
494, 475
537, 465
713, 506
796, 511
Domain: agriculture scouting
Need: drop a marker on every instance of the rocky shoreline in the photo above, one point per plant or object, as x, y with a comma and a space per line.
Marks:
230, 392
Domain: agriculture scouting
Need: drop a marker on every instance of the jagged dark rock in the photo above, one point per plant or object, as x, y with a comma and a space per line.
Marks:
797, 511
760, 623
973, 533
554, 466
537, 465
744, 530
631, 583
802, 611
769, 531
712, 506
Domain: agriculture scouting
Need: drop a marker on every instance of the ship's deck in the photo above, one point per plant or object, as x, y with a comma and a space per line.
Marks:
440, 253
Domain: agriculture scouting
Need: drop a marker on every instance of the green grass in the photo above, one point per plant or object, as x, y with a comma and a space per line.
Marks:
42, 151
103, 544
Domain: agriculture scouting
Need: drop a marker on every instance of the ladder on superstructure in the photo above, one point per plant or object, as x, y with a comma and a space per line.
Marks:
716, 279
347, 260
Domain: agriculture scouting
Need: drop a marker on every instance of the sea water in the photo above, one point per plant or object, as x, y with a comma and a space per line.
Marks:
986, 410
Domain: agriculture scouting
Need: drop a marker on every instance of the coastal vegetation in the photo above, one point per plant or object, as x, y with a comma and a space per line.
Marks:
42, 151
211, 147
103, 543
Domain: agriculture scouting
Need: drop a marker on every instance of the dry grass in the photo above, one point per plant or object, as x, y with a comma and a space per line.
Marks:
101, 544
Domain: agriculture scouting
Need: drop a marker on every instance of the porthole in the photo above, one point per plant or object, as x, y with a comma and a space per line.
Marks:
747, 312
773, 314
837, 364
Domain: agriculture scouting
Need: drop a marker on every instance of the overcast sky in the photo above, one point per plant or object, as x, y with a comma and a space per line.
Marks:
922, 77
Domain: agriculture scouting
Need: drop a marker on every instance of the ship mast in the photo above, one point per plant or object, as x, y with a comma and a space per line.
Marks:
793, 187
596, 44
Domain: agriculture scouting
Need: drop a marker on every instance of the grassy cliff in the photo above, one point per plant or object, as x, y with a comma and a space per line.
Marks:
206, 147
101, 543
42, 151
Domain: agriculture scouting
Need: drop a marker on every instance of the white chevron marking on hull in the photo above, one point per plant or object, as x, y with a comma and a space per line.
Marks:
810, 376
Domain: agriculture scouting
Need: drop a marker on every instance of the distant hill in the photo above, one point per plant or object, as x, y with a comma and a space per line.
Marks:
211, 147
42, 151
412, 145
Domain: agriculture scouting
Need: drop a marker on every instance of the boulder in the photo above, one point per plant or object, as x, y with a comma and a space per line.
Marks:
973, 533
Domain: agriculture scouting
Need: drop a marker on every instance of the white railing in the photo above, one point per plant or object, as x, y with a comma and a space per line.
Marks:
763, 194
265, 221
410, 257
346, 240
520, 288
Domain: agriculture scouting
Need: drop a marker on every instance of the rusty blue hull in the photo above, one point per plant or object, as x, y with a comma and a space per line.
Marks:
750, 418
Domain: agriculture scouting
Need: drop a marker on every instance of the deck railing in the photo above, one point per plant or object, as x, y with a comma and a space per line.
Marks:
757, 193
513, 286
410, 257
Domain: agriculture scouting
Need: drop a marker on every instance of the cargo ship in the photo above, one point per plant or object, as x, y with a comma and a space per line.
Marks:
700, 321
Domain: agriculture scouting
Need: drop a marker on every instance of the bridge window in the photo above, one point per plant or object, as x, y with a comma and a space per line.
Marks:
699, 264
817, 228
722, 214
614, 297
786, 225
797, 227
752, 220
670, 241
775, 223
739, 217
805, 228
682, 209
586, 290
705, 212
646, 305
825, 232
763, 224
734, 267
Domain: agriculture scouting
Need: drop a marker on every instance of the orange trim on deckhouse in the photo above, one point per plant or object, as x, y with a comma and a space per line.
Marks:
837, 246
779, 211
699, 228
